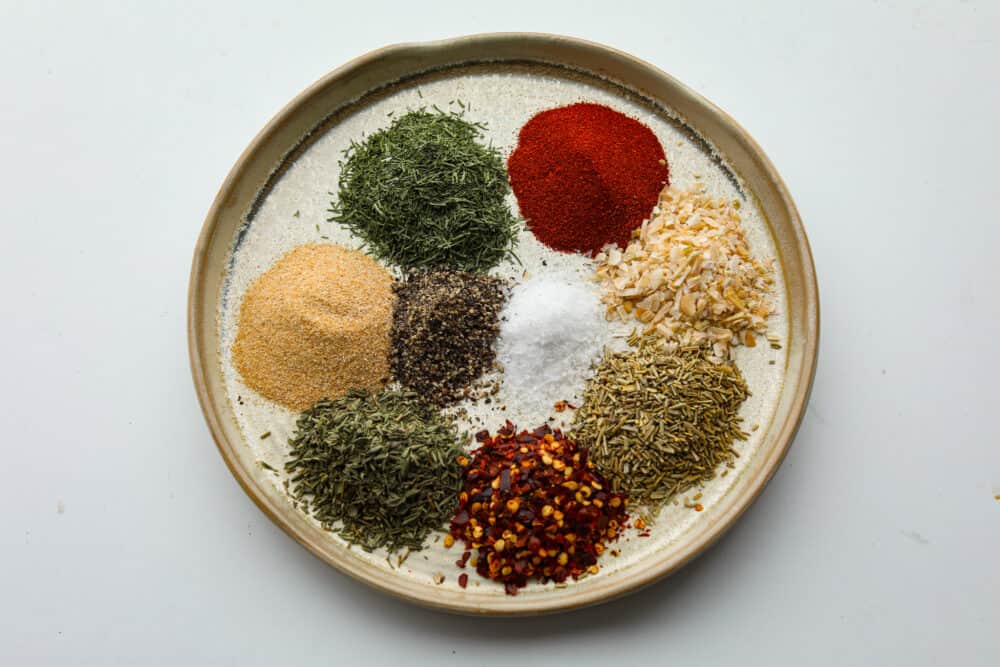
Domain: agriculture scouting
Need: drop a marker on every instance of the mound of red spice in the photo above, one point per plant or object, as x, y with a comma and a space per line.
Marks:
533, 506
586, 175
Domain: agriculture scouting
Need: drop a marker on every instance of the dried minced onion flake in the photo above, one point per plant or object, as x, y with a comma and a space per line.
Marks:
688, 275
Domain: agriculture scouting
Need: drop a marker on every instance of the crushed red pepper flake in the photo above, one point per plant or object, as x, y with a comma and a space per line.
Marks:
532, 506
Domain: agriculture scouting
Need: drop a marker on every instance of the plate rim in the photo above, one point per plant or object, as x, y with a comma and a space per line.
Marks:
513, 605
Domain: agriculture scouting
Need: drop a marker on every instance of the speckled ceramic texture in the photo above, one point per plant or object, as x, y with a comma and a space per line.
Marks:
276, 198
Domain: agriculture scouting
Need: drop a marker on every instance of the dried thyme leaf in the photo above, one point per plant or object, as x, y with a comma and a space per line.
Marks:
381, 470
425, 193
659, 423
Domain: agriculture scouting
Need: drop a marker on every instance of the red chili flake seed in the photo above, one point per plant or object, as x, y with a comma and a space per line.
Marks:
463, 580
533, 507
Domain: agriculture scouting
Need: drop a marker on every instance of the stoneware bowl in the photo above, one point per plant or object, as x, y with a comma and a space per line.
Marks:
497, 70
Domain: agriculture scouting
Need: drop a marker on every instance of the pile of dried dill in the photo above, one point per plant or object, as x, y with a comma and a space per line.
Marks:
443, 332
379, 469
425, 193
658, 422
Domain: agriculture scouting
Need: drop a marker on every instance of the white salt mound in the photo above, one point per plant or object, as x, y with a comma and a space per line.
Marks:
551, 332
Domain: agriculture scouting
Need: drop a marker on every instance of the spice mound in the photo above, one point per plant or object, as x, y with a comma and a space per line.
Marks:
689, 275
551, 332
315, 325
443, 332
381, 470
586, 175
659, 423
425, 193
533, 506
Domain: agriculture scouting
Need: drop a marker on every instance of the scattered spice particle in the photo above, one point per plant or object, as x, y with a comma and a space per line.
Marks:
698, 507
463, 580
265, 435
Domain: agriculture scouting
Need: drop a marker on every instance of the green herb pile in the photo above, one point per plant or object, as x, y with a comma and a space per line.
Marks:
425, 193
379, 469
657, 422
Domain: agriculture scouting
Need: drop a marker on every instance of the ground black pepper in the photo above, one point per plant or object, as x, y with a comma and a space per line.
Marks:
443, 332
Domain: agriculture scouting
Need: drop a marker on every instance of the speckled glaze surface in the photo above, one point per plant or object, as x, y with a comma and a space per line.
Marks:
276, 196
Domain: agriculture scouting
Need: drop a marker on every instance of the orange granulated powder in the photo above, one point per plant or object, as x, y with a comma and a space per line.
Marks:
315, 325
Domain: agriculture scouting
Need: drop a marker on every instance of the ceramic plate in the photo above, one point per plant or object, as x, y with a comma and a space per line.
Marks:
276, 198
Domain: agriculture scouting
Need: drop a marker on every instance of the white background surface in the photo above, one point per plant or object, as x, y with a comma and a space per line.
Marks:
126, 541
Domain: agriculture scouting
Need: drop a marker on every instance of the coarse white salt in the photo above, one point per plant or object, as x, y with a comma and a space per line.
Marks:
551, 332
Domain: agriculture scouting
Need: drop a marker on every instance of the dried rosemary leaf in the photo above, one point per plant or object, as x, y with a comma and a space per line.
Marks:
659, 423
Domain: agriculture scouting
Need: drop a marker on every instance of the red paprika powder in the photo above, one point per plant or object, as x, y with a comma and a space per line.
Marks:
586, 175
